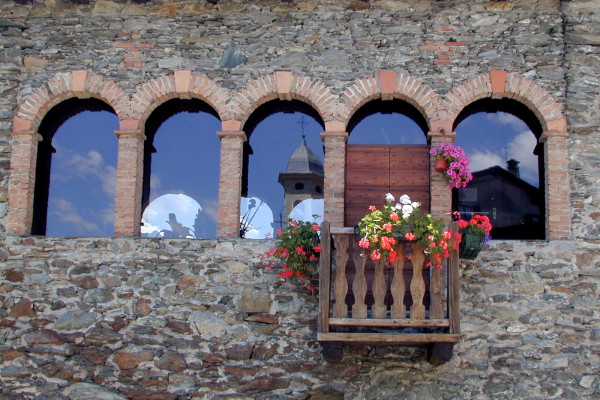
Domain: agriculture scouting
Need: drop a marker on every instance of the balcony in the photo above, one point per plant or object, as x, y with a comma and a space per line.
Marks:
379, 303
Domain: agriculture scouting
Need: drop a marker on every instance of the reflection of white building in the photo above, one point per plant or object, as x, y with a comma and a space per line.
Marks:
171, 215
303, 178
256, 218
307, 209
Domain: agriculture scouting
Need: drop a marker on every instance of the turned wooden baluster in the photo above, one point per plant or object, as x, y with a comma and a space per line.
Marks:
340, 285
398, 289
379, 286
435, 290
417, 285
359, 286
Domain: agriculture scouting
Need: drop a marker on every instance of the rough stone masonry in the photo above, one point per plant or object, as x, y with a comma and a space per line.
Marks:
118, 318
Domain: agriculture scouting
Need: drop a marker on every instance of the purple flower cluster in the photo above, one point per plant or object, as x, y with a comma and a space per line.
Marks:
458, 173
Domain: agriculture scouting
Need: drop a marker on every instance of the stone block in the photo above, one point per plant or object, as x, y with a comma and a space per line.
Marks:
254, 301
34, 63
206, 323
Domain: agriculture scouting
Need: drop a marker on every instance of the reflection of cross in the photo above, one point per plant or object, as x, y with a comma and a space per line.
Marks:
302, 124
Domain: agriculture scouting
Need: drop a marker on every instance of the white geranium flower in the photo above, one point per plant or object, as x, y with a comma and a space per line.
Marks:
389, 198
407, 209
416, 204
404, 199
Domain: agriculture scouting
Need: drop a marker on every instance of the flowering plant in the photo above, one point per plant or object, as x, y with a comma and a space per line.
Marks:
380, 228
458, 173
478, 225
377, 227
431, 233
296, 251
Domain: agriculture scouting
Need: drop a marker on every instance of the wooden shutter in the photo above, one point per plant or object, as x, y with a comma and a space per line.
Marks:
374, 170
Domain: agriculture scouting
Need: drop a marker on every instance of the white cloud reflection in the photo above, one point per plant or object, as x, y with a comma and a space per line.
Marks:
518, 143
85, 166
67, 214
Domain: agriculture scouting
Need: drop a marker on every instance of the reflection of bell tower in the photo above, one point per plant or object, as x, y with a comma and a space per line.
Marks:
303, 178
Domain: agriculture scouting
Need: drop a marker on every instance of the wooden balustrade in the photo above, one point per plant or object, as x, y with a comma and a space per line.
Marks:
366, 301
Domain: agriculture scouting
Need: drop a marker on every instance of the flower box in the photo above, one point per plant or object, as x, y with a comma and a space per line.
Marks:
399, 231
470, 245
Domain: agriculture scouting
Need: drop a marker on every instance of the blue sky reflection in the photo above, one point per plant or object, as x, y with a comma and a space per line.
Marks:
184, 172
83, 176
491, 139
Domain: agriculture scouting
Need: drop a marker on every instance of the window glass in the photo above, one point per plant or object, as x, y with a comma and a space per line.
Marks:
256, 219
272, 141
393, 128
83, 176
387, 152
310, 210
387, 122
502, 152
183, 167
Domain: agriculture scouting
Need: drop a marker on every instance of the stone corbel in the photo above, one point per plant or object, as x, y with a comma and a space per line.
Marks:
128, 133
334, 134
232, 134
441, 135
28, 134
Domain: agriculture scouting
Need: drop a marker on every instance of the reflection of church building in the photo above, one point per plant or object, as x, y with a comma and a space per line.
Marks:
303, 178
513, 205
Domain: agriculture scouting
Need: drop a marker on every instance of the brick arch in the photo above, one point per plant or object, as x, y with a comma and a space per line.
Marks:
501, 84
388, 85
183, 84
284, 85
34, 107
81, 84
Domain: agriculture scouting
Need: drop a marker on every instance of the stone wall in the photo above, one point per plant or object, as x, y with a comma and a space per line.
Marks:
183, 319
202, 319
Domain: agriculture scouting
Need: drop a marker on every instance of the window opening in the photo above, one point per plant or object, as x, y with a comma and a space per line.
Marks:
387, 152
283, 164
181, 171
76, 170
387, 122
500, 138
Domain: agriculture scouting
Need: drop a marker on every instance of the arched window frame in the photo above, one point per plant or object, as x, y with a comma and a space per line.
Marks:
498, 84
385, 85
282, 85
76, 84
183, 84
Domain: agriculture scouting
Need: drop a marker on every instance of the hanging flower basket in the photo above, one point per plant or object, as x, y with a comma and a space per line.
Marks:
441, 165
456, 169
470, 245
475, 234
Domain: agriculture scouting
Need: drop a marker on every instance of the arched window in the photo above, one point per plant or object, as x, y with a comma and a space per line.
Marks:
500, 138
283, 167
76, 170
387, 152
387, 122
181, 171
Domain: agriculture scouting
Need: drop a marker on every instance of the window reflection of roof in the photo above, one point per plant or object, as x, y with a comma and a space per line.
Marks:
304, 160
